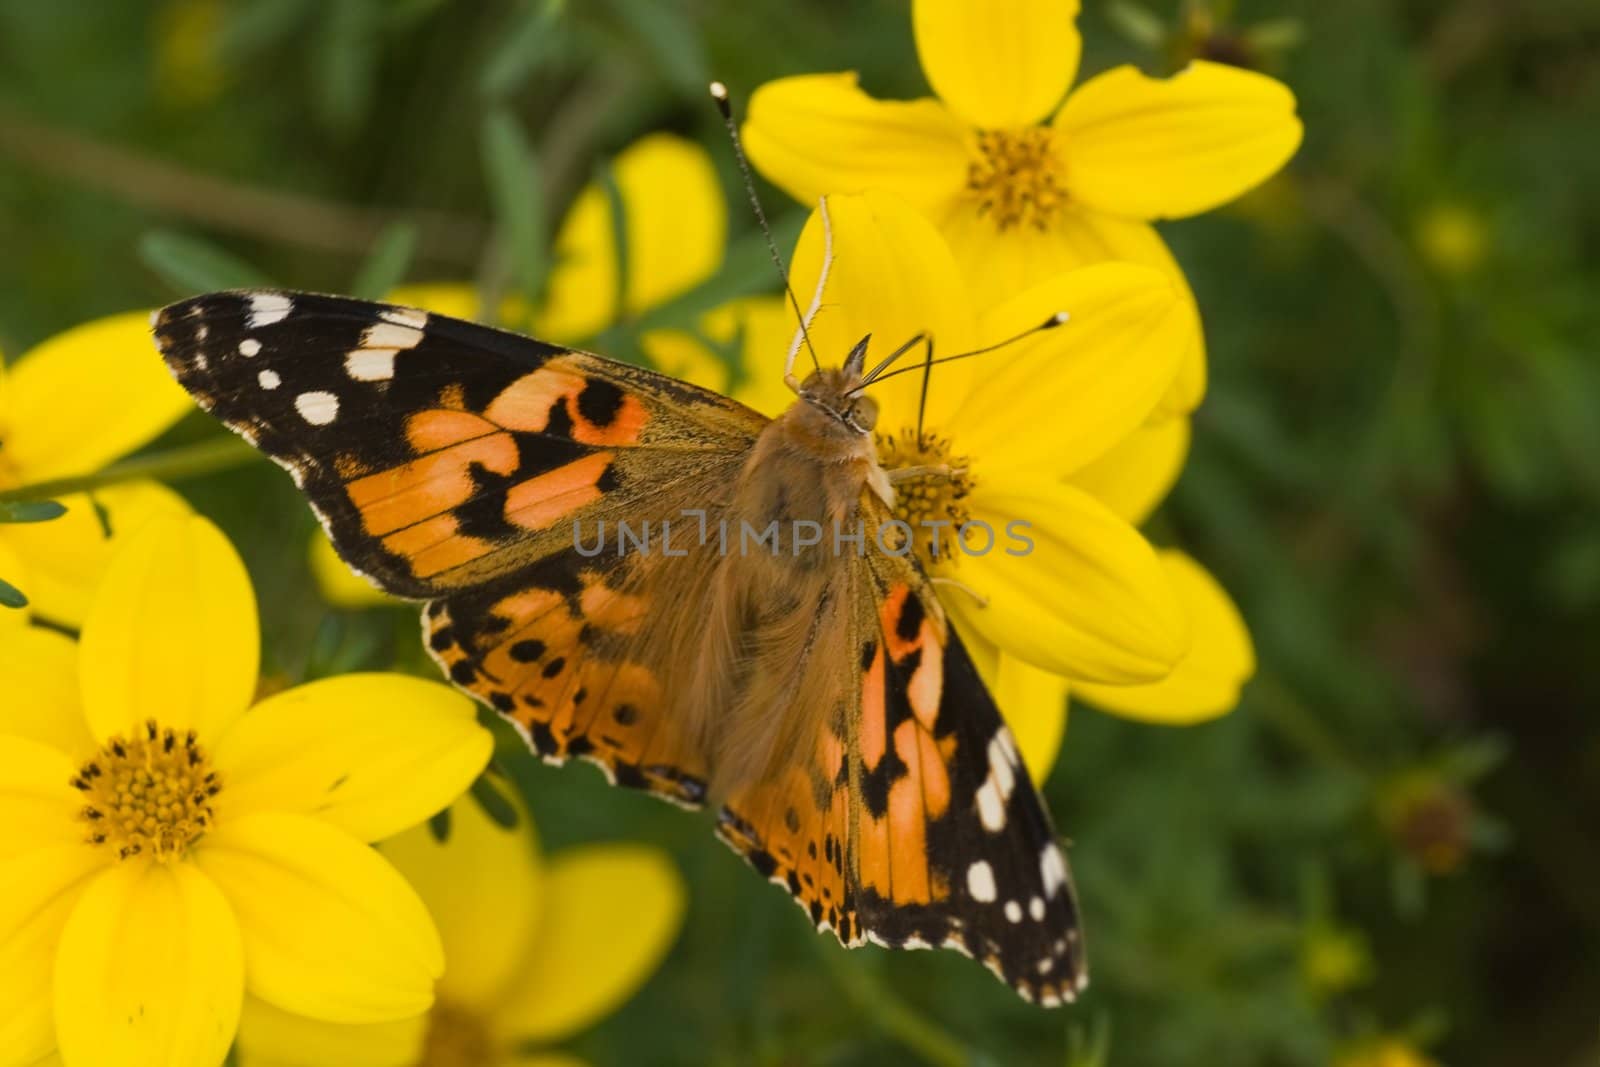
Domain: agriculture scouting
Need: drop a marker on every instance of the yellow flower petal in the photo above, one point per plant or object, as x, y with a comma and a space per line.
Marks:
67, 557
38, 890
611, 913
998, 266
487, 922
172, 635
272, 1037
676, 229
998, 65
892, 277
1087, 600
150, 970
338, 584
88, 396
1206, 683
37, 806
369, 753
1153, 148
458, 300
331, 931
819, 134
39, 677
1062, 398
1135, 476
1033, 702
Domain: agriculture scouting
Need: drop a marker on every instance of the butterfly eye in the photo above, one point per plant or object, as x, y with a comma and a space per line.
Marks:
863, 414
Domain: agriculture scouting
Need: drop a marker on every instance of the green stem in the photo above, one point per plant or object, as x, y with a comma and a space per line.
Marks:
894, 1016
172, 465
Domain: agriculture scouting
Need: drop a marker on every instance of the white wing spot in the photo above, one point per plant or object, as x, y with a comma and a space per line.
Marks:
200, 360
317, 408
1000, 766
1013, 911
980, 882
1053, 869
1047, 965
991, 807
249, 347
370, 364
413, 317
269, 379
1036, 908
268, 308
391, 335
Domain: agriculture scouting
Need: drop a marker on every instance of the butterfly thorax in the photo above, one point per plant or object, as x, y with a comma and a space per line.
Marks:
812, 483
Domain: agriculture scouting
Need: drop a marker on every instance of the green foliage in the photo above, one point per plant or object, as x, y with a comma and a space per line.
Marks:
1396, 473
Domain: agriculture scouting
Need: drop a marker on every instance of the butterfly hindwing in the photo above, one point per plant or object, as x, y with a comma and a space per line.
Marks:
442, 454
912, 823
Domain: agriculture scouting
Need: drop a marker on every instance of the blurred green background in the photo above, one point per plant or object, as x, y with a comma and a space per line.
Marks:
1396, 472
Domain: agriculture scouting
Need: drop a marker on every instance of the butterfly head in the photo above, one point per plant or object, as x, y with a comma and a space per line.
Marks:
832, 395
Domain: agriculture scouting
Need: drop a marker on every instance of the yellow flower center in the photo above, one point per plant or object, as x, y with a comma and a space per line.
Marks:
456, 1038
149, 795
930, 502
1015, 177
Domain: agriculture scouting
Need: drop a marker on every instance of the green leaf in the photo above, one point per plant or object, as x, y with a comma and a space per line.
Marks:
517, 193
533, 38
31, 511
252, 27
195, 265
387, 263
345, 57
501, 812
1137, 23
671, 39
11, 596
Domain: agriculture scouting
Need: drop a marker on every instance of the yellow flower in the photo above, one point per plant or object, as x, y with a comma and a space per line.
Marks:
1052, 430
1452, 238
68, 407
1383, 1052
1334, 959
676, 225
1023, 185
536, 950
166, 846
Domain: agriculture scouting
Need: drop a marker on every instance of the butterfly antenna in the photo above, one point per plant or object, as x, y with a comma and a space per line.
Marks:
1060, 318
719, 93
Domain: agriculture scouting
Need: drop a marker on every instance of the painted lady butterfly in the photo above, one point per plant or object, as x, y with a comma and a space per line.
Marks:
817, 698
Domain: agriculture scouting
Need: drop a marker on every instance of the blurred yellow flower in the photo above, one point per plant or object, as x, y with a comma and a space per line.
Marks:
68, 407
1452, 238
536, 950
675, 223
1025, 180
1334, 959
167, 846
1383, 1052
1053, 429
